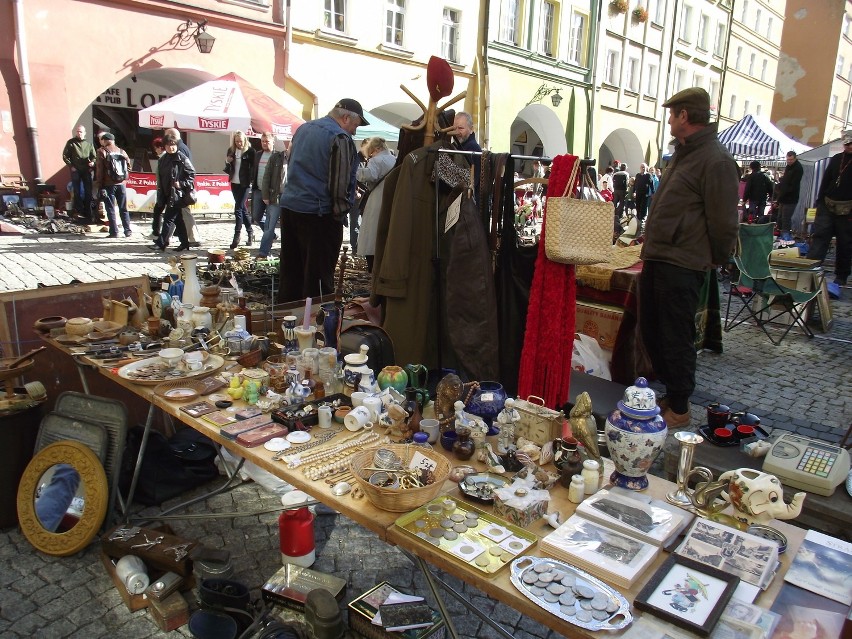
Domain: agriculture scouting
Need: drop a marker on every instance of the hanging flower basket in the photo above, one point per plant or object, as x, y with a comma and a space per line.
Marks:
640, 14
619, 6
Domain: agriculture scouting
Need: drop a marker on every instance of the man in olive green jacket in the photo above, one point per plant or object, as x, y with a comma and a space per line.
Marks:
79, 156
691, 229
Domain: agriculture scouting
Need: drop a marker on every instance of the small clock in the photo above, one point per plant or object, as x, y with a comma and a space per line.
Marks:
160, 302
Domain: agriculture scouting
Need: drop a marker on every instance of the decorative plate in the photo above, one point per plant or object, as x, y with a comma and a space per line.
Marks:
69, 340
277, 444
179, 390
608, 609
299, 437
153, 371
481, 486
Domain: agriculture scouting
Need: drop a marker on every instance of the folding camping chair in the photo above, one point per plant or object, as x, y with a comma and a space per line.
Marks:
763, 299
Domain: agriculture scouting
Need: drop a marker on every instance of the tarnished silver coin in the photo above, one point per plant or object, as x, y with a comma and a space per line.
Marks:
460, 528
585, 604
556, 588
584, 591
568, 610
600, 615
567, 599
529, 577
450, 535
543, 567
569, 580
546, 577
538, 592
457, 517
611, 606
549, 597
584, 615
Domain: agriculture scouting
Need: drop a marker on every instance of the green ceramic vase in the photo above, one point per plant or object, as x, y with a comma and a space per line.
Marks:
393, 376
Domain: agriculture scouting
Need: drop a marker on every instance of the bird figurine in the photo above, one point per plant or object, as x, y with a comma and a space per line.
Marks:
584, 427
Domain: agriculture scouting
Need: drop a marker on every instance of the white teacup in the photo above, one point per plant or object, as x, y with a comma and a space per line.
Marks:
374, 405
432, 428
358, 398
358, 418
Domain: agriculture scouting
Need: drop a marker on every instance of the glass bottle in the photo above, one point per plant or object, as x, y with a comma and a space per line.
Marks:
463, 448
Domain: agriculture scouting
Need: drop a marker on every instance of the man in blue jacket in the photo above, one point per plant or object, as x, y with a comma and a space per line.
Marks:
317, 197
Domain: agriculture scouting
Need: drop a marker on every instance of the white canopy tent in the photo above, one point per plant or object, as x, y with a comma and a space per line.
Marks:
756, 138
814, 163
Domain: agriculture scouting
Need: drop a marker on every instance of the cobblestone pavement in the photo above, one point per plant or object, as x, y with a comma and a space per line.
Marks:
802, 386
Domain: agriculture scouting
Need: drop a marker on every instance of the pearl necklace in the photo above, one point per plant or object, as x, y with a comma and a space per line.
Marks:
337, 458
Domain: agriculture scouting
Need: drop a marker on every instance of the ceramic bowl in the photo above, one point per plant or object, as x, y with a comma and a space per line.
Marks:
215, 256
448, 438
47, 324
341, 413
171, 356
79, 326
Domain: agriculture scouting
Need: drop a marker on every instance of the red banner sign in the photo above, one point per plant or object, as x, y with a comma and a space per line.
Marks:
213, 191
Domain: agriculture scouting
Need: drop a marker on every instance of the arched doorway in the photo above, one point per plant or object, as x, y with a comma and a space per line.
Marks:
537, 131
624, 146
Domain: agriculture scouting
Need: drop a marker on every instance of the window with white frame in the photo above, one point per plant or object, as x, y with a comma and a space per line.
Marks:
714, 93
510, 20
703, 26
611, 69
751, 60
758, 109
769, 24
450, 34
733, 105
738, 58
395, 22
679, 79
660, 12
651, 80
746, 107
758, 16
334, 18
847, 25
545, 29
849, 75
841, 62
764, 67
719, 40
685, 32
832, 105
698, 80
744, 11
577, 39
632, 70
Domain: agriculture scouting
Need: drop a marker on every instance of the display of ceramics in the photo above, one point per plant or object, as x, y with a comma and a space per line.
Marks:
758, 497
635, 433
487, 401
47, 324
79, 326
299, 437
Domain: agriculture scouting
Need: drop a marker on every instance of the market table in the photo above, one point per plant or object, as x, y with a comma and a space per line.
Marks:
383, 524
832, 515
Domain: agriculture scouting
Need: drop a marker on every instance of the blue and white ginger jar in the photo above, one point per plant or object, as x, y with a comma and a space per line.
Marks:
635, 434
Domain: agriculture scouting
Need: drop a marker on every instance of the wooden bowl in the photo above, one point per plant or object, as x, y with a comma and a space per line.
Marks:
79, 326
47, 324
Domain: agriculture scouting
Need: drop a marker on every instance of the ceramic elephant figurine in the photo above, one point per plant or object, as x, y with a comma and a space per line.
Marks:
758, 497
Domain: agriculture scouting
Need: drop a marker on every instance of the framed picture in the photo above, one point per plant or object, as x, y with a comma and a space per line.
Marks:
688, 594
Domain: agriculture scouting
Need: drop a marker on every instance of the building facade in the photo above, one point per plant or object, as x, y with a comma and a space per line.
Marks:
812, 91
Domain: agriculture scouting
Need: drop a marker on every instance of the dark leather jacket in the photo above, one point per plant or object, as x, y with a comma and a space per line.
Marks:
173, 167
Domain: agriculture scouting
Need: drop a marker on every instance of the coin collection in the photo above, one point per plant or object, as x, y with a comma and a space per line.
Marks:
571, 594
476, 538
156, 370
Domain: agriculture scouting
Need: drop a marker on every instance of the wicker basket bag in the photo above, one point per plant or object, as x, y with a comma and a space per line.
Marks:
399, 500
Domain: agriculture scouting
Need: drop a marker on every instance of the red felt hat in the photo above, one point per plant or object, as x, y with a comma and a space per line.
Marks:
439, 78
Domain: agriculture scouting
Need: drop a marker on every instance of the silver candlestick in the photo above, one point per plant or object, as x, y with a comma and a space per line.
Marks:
688, 442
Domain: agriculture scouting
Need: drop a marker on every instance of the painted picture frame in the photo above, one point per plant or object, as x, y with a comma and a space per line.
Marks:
688, 594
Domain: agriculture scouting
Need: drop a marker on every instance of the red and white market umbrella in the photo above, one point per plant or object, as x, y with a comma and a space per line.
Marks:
225, 104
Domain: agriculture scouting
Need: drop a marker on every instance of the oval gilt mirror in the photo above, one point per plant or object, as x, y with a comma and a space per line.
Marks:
62, 498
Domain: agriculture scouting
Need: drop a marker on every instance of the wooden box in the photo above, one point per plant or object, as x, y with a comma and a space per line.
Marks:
538, 424
170, 613
364, 608
158, 556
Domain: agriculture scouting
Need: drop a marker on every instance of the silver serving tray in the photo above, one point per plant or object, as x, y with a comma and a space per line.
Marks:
620, 618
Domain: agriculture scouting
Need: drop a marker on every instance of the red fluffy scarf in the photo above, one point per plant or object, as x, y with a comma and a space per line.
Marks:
549, 339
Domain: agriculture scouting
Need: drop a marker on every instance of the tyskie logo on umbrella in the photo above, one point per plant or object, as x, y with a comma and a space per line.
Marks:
213, 124
157, 120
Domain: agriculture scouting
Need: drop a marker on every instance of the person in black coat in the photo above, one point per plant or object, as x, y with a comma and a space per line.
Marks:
758, 188
175, 175
788, 194
643, 187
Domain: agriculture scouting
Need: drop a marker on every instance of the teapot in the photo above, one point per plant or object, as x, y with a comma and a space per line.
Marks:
356, 364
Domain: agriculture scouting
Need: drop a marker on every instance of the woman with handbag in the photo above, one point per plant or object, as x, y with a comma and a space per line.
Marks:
240, 161
175, 189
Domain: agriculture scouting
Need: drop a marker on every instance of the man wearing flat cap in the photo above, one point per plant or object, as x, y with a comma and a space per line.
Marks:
834, 213
691, 229
316, 199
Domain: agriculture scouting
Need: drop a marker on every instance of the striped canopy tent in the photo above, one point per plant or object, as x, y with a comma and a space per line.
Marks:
756, 138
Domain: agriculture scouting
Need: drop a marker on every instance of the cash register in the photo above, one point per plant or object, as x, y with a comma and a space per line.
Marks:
807, 464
